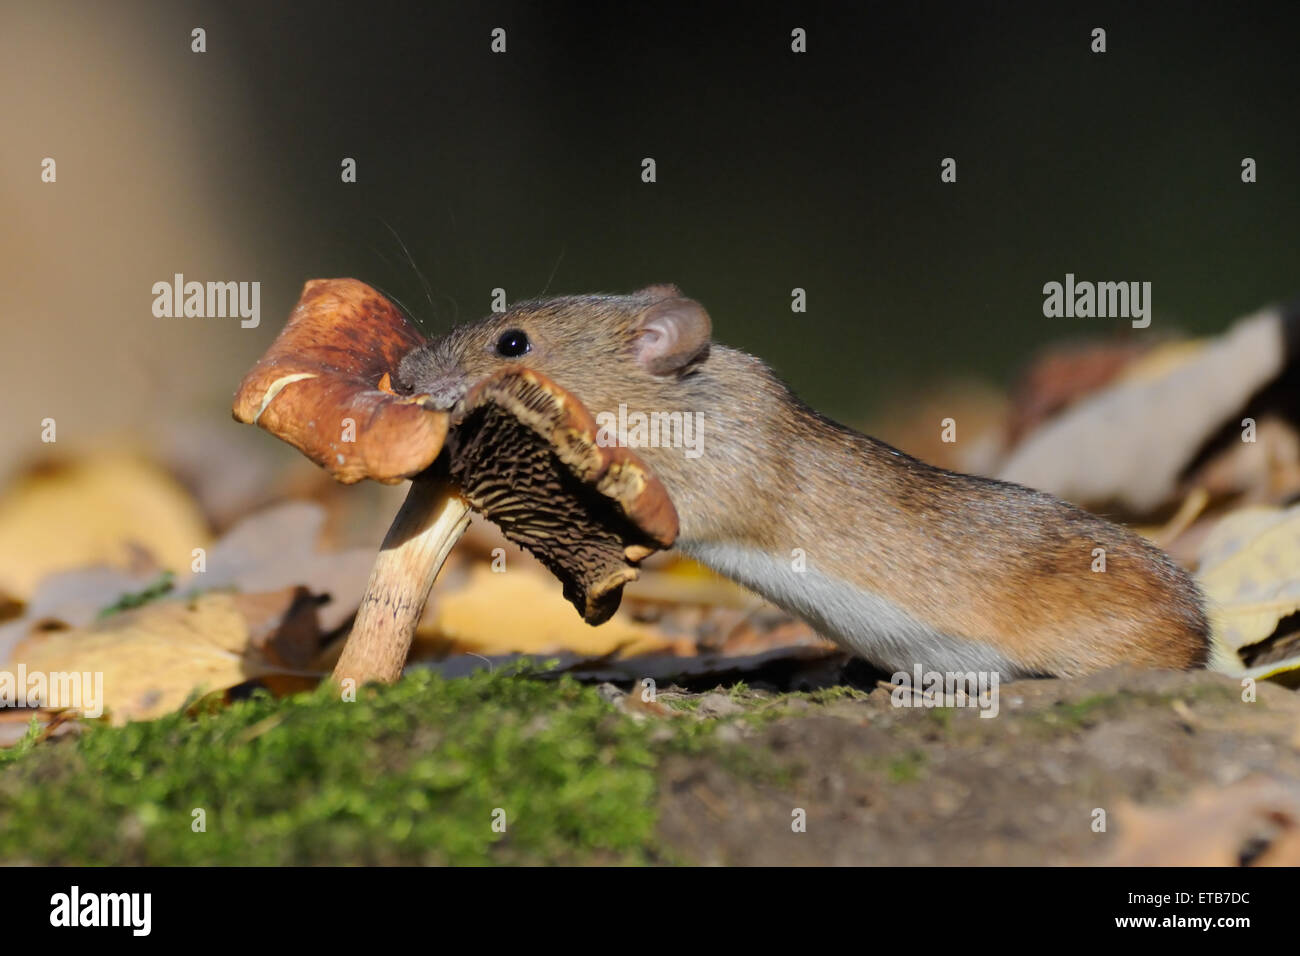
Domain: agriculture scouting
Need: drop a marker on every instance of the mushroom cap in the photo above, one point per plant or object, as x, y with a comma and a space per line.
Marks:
525, 454
331, 364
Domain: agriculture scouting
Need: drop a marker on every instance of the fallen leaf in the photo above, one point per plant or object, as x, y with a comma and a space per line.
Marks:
1225, 827
522, 612
1062, 375
1250, 571
271, 551
681, 581
73, 598
1131, 442
278, 548
283, 626
152, 658
111, 510
1191, 509
1263, 471
495, 619
231, 472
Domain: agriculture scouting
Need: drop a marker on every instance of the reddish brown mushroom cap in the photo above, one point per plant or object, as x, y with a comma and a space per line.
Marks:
331, 364
525, 454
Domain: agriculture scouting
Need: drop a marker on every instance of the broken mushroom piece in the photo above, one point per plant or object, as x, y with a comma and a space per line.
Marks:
524, 452
324, 387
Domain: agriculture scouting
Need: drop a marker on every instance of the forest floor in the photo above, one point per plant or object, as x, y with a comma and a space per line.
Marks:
524, 767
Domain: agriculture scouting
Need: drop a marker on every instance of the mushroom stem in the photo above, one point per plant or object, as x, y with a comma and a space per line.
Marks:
429, 524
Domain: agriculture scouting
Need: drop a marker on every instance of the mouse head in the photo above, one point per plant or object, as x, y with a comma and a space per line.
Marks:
606, 349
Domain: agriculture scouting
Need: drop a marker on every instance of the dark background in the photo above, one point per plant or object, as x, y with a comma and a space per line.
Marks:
775, 170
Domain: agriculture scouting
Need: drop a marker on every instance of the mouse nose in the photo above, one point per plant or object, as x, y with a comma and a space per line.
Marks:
445, 393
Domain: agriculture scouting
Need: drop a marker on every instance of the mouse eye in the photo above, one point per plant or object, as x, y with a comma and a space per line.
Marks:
513, 344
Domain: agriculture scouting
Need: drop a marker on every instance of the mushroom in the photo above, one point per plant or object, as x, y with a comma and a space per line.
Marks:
324, 386
521, 450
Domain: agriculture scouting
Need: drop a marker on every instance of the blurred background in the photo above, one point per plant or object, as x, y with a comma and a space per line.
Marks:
477, 170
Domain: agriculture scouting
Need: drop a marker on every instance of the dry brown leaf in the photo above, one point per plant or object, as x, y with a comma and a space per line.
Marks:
231, 472
152, 658
1214, 828
1062, 375
1250, 570
1131, 442
15, 722
522, 612
495, 618
278, 548
71, 599
111, 510
1263, 471
282, 626
1193, 507
10, 607
270, 551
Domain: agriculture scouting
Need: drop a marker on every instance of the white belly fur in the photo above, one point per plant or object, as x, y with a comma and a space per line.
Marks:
860, 621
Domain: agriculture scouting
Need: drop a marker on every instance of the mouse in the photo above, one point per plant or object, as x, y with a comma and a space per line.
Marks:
897, 561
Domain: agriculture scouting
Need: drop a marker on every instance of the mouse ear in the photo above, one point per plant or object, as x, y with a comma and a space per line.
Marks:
672, 334
662, 290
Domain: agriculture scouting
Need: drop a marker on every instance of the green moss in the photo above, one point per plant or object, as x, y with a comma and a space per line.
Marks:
940, 718
406, 774
907, 767
687, 705
831, 695
1207, 692
134, 599
762, 709
10, 754
1076, 714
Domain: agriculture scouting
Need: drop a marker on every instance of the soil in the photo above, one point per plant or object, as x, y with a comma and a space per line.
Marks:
891, 785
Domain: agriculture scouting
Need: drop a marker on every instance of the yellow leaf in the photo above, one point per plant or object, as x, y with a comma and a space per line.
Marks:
525, 613
150, 659
107, 510
681, 581
1250, 570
